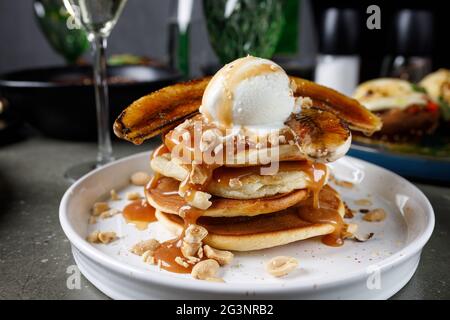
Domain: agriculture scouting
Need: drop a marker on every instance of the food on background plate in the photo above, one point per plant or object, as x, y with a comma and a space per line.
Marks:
243, 163
405, 109
437, 85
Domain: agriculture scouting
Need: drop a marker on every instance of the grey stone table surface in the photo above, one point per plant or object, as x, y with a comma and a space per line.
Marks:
35, 254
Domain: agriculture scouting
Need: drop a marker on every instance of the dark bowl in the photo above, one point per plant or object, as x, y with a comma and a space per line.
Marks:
59, 101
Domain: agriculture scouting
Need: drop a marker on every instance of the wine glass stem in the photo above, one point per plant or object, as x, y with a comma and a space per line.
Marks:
104, 154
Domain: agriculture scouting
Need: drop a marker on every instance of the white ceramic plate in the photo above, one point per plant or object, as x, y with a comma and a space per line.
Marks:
375, 269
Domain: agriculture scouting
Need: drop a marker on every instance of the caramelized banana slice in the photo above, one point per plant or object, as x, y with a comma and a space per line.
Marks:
347, 109
160, 111
320, 134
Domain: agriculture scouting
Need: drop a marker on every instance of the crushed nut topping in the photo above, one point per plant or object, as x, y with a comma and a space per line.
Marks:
367, 237
235, 183
186, 136
375, 215
133, 196
140, 178
281, 266
114, 195
195, 233
93, 237
101, 237
350, 230
221, 256
205, 269
201, 200
190, 249
148, 257
107, 237
192, 241
363, 202
109, 213
192, 260
144, 246
200, 252
181, 262
218, 149
159, 264
99, 207
198, 175
213, 279
210, 138
343, 183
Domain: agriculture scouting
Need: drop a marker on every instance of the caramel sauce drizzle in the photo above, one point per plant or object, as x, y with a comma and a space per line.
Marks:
327, 212
171, 249
312, 212
167, 253
140, 213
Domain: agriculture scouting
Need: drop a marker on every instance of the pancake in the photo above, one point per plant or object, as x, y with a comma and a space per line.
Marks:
247, 182
164, 197
263, 231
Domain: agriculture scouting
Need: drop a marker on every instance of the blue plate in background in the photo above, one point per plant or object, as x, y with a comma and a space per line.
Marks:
408, 165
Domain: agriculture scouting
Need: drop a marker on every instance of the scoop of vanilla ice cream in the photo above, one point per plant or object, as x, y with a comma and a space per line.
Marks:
251, 93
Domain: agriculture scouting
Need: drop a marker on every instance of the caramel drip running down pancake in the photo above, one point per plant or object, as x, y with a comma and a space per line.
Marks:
326, 212
300, 216
170, 250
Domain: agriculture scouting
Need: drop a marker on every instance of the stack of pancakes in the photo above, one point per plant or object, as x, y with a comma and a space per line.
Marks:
249, 210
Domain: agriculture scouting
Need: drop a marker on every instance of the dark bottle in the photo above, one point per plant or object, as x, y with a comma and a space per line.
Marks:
410, 46
338, 61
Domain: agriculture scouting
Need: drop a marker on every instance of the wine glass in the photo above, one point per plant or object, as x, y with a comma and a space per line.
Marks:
52, 16
98, 18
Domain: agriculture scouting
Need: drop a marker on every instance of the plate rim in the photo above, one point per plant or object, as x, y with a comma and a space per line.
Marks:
167, 280
171, 75
365, 147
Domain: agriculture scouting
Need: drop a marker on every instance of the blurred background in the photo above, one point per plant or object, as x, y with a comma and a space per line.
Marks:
144, 28
46, 81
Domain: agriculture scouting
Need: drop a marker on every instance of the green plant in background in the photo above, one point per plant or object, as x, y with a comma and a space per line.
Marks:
52, 17
240, 27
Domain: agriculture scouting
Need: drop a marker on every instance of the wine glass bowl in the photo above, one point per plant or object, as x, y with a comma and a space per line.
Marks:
52, 20
97, 17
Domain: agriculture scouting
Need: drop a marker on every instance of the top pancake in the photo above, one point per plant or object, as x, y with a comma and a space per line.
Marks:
248, 182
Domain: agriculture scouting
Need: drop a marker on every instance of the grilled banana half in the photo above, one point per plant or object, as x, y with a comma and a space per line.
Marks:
320, 134
322, 130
